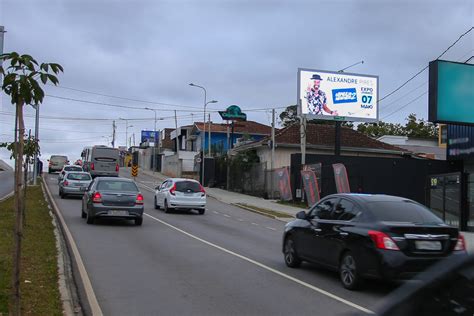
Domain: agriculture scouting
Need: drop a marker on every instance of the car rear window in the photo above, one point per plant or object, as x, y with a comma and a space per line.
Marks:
119, 186
79, 176
58, 158
72, 168
188, 186
106, 154
403, 211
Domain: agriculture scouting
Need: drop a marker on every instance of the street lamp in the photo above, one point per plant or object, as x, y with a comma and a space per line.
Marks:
204, 127
126, 131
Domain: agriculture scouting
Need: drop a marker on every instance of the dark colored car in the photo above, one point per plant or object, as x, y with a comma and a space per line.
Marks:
370, 236
110, 197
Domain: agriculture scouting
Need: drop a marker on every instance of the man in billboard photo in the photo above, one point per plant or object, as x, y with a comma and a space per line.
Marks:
317, 98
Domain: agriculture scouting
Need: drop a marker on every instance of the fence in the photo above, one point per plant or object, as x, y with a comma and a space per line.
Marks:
250, 181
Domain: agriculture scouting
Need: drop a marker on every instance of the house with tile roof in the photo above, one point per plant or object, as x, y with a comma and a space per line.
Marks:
320, 139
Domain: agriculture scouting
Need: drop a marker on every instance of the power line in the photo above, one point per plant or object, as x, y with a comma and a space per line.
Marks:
419, 72
404, 106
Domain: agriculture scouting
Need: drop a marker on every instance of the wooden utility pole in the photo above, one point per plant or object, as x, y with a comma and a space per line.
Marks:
177, 144
113, 134
272, 164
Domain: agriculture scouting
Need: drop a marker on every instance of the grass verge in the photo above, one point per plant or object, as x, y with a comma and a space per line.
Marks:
39, 268
264, 211
295, 204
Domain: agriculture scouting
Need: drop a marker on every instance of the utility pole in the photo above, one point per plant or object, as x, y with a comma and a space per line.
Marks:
177, 144
113, 134
272, 164
209, 137
228, 158
133, 139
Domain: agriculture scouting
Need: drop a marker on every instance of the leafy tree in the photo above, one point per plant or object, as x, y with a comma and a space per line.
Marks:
21, 84
379, 129
420, 128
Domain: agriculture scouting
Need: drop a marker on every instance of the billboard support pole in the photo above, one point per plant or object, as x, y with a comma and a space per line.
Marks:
337, 143
303, 147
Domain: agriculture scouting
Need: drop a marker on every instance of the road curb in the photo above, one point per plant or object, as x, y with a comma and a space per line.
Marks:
250, 209
6, 197
70, 285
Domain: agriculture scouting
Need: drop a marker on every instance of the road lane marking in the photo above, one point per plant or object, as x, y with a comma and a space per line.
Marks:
215, 212
255, 224
241, 220
261, 265
226, 215
270, 228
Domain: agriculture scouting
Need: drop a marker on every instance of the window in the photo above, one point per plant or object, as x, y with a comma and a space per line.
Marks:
72, 168
119, 186
403, 211
345, 210
79, 176
323, 209
187, 186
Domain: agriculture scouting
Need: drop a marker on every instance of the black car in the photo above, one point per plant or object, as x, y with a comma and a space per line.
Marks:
370, 236
110, 197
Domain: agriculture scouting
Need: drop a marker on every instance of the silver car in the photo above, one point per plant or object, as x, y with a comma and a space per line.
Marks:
177, 193
68, 168
74, 183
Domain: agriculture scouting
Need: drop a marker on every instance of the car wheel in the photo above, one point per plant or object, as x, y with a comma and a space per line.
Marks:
89, 219
202, 211
83, 214
139, 221
157, 207
61, 195
167, 209
348, 272
291, 258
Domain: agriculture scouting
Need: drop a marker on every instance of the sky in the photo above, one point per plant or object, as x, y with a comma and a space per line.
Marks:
145, 53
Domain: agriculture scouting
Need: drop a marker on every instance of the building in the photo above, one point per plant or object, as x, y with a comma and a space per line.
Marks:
422, 147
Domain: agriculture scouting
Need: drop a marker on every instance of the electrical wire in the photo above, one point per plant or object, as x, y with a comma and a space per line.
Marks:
404, 106
419, 72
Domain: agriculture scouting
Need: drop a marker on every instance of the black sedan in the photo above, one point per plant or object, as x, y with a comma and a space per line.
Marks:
110, 197
370, 236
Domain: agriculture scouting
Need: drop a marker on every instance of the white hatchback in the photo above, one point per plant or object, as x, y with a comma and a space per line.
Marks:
177, 193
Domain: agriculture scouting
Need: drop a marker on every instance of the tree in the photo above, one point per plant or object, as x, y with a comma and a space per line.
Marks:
21, 84
379, 129
420, 128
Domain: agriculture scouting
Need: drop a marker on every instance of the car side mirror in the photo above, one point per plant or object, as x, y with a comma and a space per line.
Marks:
301, 215
157, 188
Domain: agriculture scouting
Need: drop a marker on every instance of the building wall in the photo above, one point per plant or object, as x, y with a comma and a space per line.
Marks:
187, 160
221, 138
171, 166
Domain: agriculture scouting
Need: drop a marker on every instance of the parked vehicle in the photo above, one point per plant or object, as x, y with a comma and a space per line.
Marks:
74, 183
66, 169
177, 193
101, 161
111, 197
370, 236
56, 163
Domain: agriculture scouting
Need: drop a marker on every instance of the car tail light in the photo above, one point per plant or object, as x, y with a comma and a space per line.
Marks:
117, 167
66, 183
139, 199
173, 189
382, 240
201, 188
96, 198
92, 166
461, 244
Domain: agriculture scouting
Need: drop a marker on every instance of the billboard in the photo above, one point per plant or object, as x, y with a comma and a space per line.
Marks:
451, 93
149, 136
340, 96
460, 141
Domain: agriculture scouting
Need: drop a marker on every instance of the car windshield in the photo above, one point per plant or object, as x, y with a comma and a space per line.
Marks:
402, 211
118, 186
187, 186
72, 168
79, 176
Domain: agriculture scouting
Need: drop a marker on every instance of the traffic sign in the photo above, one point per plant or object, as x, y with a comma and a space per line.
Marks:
134, 170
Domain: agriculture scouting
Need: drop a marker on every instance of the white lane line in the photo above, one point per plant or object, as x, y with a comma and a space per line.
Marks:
261, 265
270, 228
215, 212
241, 220
147, 187
226, 215
255, 224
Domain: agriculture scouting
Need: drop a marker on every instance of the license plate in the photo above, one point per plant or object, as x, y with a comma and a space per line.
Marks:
83, 188
118, 213
428, 245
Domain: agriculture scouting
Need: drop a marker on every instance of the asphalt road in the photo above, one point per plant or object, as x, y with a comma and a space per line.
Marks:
6, 183
225, 262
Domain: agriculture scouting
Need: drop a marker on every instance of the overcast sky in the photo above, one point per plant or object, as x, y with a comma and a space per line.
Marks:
244, 52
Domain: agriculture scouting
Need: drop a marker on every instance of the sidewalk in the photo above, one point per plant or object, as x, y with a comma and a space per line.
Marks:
248, 202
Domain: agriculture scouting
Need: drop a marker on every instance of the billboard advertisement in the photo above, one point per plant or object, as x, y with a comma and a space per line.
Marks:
284, 186
149, 136
311, 187
340, 96
460, 141
341, 179
451, 93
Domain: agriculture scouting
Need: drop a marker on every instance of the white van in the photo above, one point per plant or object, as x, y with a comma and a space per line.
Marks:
56, 163
101, 161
